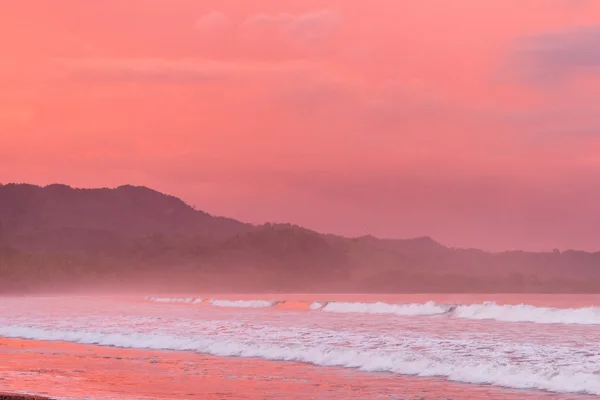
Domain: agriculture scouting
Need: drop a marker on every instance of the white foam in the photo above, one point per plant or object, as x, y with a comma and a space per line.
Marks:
529, 313
174, 300
483, 311
317, 305
544, 377
243, 303
429, 308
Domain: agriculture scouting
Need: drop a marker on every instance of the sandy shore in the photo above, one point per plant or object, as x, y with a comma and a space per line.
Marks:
67, 370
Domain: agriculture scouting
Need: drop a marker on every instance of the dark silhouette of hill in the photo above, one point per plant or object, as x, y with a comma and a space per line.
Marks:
59, 216
57, 238
7, 396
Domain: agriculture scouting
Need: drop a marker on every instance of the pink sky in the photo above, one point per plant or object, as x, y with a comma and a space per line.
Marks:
474, 122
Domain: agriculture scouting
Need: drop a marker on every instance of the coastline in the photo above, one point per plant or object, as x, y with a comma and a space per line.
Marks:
70, 370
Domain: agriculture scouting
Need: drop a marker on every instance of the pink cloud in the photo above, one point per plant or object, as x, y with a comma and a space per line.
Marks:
556, 56
292, 35
279, 35
214, 21
174, 71
309, 27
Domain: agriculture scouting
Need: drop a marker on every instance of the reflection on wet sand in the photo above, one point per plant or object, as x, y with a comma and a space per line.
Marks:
72, 371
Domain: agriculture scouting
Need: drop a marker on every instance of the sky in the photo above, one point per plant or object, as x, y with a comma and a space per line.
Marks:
474, 122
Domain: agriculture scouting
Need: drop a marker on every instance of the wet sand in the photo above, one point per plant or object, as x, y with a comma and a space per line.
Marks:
66, 370
7, 396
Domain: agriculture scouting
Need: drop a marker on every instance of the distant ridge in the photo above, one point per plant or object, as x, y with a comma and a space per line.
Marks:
8, 396
57, 237
128, 209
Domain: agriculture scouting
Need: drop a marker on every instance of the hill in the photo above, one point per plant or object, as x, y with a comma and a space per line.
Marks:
59, 238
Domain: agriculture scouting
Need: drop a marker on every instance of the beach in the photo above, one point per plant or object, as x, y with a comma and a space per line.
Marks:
74, 371
58, 365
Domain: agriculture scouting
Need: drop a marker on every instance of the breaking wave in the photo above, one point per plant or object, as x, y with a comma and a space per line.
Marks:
189, 300
429, 308
317, 305
243, 303
538, 377
528, 313
483, 311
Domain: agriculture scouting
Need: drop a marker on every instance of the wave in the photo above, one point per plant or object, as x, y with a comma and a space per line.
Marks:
244, 303
528, 313
547, 378
190, 300
483, 311
292, 305
429, 308
317, 305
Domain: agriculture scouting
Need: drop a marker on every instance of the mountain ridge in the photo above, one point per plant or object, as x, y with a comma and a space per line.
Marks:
56, 237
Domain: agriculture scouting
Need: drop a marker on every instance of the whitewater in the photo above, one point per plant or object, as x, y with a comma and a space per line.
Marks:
520, 346
483, 311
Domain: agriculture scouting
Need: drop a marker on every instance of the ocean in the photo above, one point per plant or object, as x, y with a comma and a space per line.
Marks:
278, 346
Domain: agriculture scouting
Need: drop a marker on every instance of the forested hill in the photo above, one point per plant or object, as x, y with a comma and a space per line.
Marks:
59, 238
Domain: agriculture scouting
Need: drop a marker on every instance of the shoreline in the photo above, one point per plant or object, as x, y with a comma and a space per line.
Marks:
77, 370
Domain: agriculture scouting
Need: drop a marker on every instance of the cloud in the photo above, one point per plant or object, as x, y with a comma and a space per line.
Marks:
312, 26
554, 57
272, 36
214, 21
572, 4
146, 71
167, 71
379, 110
297, 88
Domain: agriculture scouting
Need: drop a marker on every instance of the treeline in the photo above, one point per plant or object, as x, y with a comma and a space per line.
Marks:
289, 258
57, 237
